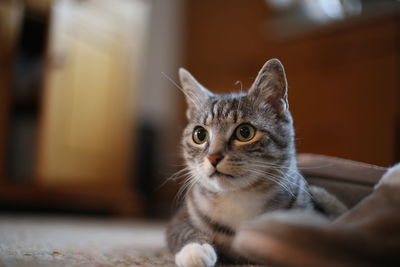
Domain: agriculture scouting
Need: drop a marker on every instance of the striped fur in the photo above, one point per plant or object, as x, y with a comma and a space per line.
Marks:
252, 178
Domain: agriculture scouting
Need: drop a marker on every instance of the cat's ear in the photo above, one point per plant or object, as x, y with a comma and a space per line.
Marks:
195, 93
270, 86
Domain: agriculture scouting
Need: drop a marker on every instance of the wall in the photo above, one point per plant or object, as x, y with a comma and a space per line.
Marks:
343, 78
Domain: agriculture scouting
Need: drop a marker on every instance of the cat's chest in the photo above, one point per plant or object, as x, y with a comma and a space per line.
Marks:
236, 208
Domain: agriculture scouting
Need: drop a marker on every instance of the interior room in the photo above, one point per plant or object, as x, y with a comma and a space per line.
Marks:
92, 110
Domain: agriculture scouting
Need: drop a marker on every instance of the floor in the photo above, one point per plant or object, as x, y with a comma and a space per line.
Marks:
66, 241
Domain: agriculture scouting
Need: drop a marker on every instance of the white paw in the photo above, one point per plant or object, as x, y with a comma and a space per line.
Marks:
196, 255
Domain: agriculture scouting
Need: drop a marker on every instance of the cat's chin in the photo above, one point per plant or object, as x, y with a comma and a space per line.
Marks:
217, 174
220, 183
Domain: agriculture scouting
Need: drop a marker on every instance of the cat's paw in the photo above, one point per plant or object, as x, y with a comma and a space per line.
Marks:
196, 255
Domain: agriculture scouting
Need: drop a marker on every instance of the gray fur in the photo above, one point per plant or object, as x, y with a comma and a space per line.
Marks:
262, 175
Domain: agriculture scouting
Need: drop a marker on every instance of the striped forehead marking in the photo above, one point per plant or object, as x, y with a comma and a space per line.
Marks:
220, 110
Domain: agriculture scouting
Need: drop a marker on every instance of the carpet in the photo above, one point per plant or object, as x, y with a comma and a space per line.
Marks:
79, 241
58, 241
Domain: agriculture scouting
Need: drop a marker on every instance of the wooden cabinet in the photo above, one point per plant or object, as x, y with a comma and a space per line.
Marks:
87, 121
85, 133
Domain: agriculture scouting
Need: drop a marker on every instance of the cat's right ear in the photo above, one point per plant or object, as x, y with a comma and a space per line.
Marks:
270, 86
194, 92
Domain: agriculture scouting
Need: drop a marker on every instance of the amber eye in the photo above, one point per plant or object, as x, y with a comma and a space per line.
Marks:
200, 135
245, 132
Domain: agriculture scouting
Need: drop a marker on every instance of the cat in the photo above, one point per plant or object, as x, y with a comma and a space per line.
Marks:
241, 161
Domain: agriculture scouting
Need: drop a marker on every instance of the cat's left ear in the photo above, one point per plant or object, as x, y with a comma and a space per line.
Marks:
271, 86
195, 93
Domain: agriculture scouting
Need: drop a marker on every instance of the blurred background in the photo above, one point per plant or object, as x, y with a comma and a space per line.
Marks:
90, 119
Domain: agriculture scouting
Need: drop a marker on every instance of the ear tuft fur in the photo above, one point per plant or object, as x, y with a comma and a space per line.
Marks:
271, 86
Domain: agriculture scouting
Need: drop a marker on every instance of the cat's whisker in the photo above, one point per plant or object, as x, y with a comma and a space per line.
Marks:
171, 176
285, 175
197, 104
193, 183
266, 166
177, 175
240, 95
274, 179
266, 162
270, 167
188, 183
277, 168
287, 179
177, 165
301, 168
270, 164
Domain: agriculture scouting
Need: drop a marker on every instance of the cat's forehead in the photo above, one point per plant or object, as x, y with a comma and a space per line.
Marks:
222, 109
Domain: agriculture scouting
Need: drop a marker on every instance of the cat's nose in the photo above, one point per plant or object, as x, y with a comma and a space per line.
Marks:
215, 159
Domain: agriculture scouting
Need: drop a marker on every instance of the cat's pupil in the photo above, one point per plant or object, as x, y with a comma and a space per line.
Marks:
245, 132
201, 134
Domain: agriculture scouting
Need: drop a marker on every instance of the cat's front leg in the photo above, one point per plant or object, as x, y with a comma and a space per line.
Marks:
192, 247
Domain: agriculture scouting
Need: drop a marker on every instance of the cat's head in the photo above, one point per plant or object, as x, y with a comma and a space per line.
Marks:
234, 140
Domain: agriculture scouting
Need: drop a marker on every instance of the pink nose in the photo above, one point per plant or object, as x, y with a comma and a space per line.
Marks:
214, 159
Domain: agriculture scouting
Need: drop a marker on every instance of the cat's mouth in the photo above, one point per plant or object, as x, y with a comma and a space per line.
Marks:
217, 173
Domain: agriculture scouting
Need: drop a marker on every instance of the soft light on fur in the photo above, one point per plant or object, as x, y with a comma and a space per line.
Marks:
251, 177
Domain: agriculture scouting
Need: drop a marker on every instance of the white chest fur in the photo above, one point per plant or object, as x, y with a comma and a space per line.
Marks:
233, 208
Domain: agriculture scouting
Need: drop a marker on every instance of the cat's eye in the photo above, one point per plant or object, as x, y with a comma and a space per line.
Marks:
200, 135
245, 132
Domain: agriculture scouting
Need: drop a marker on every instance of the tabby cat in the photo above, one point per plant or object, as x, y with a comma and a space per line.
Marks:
240, 155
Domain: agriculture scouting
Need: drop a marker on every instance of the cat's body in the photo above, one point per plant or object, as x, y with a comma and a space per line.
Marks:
240, 153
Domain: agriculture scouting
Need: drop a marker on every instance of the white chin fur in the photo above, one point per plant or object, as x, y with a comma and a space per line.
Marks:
211, 184
221, 184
